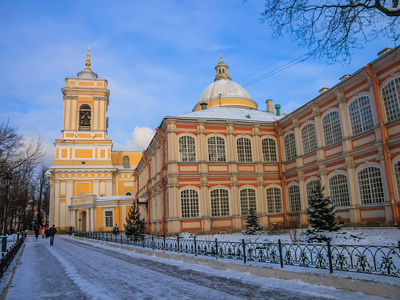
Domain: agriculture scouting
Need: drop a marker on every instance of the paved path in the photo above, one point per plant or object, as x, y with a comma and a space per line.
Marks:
77, 269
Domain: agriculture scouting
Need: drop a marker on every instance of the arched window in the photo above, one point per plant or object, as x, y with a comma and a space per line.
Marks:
274, 200
339, 190
247, 201
294, 198
360, 113
244, 150
391, 98
371, 187
219, 203
332, 129
128, 194
126, 162
85, 117
311, 188
269, 150
187, 148
309, 138
290, 146
216, 149
397, 175
189, 203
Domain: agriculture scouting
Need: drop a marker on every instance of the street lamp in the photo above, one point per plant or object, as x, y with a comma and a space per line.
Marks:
7, 182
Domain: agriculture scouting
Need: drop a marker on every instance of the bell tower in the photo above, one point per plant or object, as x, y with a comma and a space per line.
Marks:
84, 134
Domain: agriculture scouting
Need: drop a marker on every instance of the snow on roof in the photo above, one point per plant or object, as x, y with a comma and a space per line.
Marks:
229, 113
111, 198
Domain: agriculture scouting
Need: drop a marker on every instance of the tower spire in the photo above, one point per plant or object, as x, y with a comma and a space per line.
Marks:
87, 63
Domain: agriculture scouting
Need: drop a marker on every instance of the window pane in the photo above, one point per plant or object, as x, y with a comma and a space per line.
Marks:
309, 138
187, 148
332, 129
216, 149
189, 204
391, 98
274, 200
339, 190
371, 188
361, 115
290, 146
244, 150
247, 201
397, 174
269, 150
294, 198
108, 218
219, 203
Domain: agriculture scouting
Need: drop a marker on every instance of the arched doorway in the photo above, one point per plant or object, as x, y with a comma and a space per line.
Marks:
82, 221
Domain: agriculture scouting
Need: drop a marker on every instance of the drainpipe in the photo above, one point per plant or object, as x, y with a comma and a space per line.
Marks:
148, 194
280, 174
137, 186
384, 145
162, 179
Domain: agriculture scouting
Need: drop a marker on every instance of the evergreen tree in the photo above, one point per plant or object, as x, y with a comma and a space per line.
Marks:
252, 224
134, 227
321, 215
115, 229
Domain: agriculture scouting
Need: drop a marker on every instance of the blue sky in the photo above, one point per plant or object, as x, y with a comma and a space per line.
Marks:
157, 55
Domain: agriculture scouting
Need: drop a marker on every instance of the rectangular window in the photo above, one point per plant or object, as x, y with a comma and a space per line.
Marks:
109, 220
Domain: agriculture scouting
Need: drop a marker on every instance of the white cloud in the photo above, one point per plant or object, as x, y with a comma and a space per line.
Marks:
141, 137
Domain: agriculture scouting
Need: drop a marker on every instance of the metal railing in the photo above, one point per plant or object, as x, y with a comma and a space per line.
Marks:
367, 259
8, 256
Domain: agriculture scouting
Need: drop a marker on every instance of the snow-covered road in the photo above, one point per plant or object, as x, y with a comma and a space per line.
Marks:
78, 269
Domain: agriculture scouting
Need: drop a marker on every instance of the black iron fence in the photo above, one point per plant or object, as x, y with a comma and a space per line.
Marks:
368, 259
8, 256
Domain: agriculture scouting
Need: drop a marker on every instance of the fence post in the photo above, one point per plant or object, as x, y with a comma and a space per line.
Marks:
280, 252
152, 242
216, 249
330, 256
164, 242
195, 246
244, 251
177, 239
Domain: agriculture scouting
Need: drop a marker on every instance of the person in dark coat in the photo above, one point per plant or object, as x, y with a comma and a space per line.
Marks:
36, 231
52, 232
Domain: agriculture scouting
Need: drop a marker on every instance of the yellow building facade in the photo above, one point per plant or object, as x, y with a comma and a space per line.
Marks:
92, 186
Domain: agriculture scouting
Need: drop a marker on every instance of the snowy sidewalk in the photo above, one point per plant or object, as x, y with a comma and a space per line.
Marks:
79, 269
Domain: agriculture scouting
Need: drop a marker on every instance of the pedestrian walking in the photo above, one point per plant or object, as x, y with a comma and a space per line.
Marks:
52, 232
43, 231
36, 228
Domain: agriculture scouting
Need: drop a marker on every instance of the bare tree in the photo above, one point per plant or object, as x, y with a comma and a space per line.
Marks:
330, 29
16, 151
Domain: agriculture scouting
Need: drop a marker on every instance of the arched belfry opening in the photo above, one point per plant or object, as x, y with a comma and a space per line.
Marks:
85, 117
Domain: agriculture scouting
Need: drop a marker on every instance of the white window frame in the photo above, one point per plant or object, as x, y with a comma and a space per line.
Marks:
290, 146
219, 203
269, 150
397, 175
105, 211
294, 199
274, 200
373, 191
191, 209
216, 150
361, 118
244, 151
187, 151
332, 130
340, 193
247, 201
391, 102
309, 138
